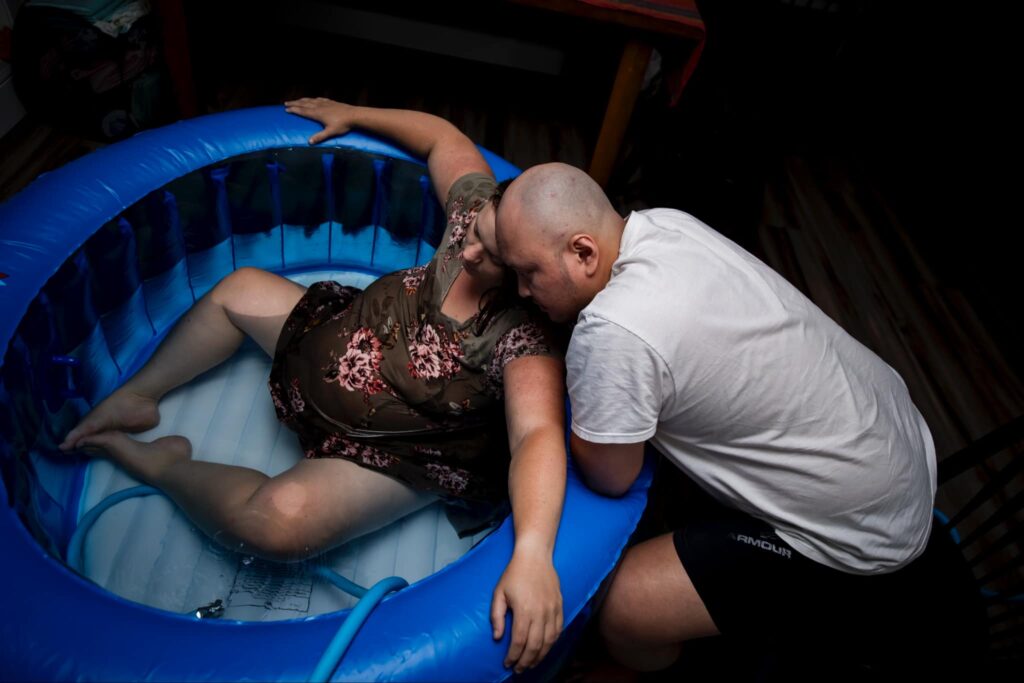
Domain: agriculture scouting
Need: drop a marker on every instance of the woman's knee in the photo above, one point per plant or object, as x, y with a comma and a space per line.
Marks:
257, 303
282, 523
238, 283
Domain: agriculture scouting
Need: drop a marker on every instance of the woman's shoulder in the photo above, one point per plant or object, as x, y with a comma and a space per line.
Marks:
521, 324
469, 190
517, 334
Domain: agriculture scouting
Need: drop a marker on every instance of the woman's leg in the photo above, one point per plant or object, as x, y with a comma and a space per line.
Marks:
248, 302
314, 506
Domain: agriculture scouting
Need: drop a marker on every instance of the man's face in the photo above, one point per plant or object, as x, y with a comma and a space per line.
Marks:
542, 272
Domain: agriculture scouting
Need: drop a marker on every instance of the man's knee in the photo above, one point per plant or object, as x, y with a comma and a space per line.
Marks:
616, 621
628, 638
651, 600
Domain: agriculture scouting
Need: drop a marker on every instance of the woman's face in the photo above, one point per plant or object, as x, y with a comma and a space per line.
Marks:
480, 251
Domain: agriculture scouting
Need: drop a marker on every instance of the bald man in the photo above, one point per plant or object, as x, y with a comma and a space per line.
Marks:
821, 469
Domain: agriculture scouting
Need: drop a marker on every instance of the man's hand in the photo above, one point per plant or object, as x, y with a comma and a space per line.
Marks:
530, 588
336, 117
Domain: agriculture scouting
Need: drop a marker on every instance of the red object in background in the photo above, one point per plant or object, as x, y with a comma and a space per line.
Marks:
681, 12
5, 44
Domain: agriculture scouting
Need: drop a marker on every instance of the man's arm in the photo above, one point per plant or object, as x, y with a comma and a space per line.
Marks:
608, 468
617, 385
448, 152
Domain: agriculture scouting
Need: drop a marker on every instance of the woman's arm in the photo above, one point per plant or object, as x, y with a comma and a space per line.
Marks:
448, 152
534, 409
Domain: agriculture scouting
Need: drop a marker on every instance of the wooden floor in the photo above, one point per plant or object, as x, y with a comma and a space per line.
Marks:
814, 209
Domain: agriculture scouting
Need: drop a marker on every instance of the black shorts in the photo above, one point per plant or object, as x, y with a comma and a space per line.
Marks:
760, 590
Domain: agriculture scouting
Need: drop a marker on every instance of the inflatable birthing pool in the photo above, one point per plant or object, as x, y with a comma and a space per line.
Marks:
97, 260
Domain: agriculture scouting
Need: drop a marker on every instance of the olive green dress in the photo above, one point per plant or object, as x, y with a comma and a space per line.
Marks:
382, 378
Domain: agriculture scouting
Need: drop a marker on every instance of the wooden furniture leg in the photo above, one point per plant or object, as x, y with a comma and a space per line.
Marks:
628, 79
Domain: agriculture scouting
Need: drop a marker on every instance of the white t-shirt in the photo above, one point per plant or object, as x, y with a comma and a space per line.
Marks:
755, 393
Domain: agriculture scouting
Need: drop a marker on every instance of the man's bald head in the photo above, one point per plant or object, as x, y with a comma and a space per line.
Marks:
557, 230
550, 202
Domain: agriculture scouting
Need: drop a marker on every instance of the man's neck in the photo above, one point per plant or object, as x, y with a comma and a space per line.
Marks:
610, 251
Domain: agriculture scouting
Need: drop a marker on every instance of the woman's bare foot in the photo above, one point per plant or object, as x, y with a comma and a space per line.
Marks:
124, 410
144, 461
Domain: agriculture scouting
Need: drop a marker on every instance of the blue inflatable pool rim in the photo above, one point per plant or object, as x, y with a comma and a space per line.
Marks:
60, 626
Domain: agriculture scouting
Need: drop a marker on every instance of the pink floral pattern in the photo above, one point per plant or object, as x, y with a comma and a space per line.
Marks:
412, 278
338, 446
432, 354
460, 219
359, 368
452, 479
295, 404
425, 450
389, 360
295, 400
275, 396
526, 339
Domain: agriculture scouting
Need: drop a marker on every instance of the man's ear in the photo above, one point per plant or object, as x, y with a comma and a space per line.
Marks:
585, 252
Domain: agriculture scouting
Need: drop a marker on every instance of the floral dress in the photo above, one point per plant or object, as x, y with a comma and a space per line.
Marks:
382, 378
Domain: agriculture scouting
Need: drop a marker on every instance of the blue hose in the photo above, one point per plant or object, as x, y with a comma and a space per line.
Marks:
74, 554
353, 589
350, 627
368, 598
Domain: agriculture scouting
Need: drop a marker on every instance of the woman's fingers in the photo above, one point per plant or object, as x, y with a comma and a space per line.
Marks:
519, 641
307, 102
321, 136
331, 115
532, 639
534, 650
498, 609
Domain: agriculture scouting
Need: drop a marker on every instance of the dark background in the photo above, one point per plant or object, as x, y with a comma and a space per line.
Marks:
913, 101
916, 93
834, 132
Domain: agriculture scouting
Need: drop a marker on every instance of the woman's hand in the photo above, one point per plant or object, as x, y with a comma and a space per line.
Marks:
530, 588
448, 152
336, 117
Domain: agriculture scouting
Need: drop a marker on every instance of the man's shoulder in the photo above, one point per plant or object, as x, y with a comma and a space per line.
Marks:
647, 277
653, 243
667, 219
607, 330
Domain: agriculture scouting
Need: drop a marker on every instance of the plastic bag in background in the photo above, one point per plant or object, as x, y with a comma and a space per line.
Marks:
73, 75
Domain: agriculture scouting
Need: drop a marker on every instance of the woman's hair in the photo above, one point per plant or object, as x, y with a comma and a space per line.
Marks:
499, 191
506, 294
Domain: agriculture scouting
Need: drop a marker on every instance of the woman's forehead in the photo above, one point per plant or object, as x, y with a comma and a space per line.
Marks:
485, 227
